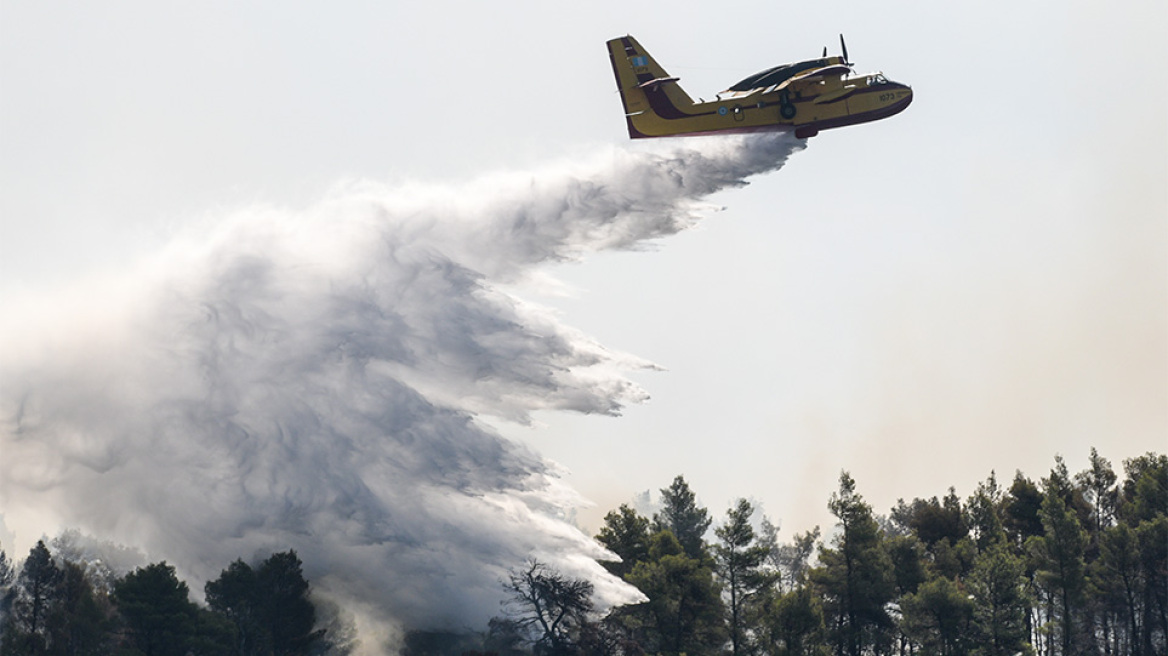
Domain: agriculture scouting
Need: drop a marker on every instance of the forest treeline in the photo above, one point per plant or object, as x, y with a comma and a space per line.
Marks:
74, 605
1068, 565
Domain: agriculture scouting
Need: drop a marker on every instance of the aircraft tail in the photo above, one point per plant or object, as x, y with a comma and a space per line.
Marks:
651, 97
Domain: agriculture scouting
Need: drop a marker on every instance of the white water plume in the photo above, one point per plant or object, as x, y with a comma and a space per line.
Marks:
311, 379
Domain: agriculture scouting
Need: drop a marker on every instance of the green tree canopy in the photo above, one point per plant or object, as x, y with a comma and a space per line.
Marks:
984, 510
1152, 536
681, 515
795, 623
997, 587
908, 557
268, 606
934, 520
1145, 488
285, 607
160, 618
79, 624
1058, 554
235, 594
684, 612
740, 564
626, 534
938, 616
793, 560
36, 596
1022, 505
855, 576
1098, 485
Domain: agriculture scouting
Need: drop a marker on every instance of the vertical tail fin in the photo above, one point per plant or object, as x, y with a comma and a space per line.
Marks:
651, 97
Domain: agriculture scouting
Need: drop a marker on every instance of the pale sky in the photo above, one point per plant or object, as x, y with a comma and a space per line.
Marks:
976, 284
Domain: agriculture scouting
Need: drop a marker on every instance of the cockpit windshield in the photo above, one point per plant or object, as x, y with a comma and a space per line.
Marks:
878, 78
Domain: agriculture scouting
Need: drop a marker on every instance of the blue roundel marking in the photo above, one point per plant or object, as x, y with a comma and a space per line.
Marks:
721, 111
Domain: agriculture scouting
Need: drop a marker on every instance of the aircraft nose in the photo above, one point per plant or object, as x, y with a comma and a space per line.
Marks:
904, 96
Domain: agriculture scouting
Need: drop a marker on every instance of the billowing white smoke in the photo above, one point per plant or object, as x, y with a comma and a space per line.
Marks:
311, 380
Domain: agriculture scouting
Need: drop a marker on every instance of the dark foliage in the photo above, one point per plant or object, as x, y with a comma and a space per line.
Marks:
681, 515
1075, 564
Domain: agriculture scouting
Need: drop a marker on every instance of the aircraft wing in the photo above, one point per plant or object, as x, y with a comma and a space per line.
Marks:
816, 75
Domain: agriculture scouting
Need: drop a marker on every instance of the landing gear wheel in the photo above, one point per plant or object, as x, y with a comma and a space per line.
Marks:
787, 111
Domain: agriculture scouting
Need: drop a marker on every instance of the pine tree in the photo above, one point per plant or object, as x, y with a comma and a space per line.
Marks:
269, 606
1144, 495
908, 558
793, 560
983, 510
36, 597
1152, 536
625, 533
285, 607
7, 578
932, 520
235, 595
1059, 556
1098, 484
684, 611
1022, 506
79, 623
938, 616
1117, 575
855, 576
681, 515
740, 562
795, 622
997, 586
159, 615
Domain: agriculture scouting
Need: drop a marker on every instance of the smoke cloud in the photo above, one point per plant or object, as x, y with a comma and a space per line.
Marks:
312, 379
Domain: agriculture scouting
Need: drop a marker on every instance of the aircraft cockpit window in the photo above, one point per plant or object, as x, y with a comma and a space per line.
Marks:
878, 79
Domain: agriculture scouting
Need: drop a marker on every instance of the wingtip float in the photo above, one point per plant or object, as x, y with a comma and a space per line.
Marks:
804, 97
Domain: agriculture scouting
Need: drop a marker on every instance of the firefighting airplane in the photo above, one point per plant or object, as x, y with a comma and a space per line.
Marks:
806, 97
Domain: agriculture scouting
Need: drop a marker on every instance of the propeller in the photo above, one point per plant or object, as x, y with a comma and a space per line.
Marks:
844, 48
825, 52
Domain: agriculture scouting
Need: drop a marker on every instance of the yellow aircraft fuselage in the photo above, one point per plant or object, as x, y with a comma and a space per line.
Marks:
805, 97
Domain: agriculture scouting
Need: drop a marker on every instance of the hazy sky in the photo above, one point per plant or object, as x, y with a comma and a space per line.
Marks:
978, 283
